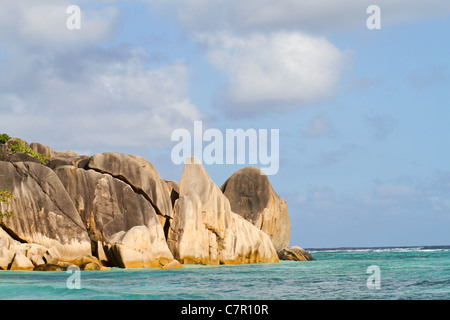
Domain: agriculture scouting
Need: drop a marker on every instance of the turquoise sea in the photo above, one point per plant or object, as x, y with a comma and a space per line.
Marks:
419, 273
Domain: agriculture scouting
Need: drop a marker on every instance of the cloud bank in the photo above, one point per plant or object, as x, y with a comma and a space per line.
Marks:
66, 88
315, 17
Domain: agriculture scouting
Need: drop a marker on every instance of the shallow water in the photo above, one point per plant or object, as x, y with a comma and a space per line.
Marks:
405, 273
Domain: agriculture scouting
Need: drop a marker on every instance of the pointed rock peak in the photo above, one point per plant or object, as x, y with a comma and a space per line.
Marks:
193, 160
196, 179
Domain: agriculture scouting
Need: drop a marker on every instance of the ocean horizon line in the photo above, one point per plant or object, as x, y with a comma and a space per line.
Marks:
422, 247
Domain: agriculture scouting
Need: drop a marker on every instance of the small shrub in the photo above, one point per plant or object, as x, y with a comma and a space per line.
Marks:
21, 147
4, 138
6, 197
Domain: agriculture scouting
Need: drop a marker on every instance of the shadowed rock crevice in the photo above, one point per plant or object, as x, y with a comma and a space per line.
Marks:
139, 174
11, 233
136, 190
166, 228
174, 190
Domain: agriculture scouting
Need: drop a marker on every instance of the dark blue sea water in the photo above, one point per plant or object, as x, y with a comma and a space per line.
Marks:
404, 273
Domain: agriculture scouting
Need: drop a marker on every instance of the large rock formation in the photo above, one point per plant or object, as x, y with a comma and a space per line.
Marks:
114, 209
251, 195
118, 220
43, 212
113, 214
206, 231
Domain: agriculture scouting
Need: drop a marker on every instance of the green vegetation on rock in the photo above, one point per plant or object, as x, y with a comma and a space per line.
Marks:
6, 197
4, 138
21, 146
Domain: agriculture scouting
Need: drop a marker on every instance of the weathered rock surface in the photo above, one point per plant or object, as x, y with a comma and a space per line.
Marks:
6, 257
19, 157
139, 173
21, 262
47, 151
3, 150
88, 262
294, 253
42, 149
206, 231
139, 248
76, 161
49, 267
43, 211
59, 158
113, 213
17, 256
251, 196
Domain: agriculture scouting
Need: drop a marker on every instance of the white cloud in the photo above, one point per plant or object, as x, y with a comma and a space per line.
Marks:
75, 94
274, 70
38, 23
110, 103
306, 15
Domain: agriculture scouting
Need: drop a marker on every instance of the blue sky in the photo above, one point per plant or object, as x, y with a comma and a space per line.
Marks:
363, 114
